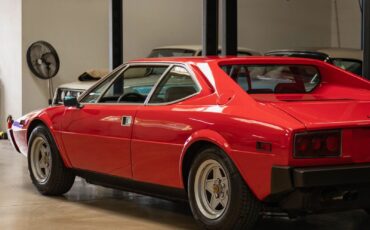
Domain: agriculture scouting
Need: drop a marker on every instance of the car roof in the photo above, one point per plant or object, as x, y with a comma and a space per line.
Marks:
331, 51
198, 48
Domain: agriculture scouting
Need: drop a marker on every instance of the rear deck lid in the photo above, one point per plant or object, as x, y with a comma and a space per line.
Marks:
327, 113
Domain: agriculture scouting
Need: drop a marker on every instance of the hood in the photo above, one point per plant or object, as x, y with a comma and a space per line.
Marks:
318, 113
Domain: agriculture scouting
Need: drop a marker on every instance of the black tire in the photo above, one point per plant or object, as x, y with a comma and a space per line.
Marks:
243, 208
60, 179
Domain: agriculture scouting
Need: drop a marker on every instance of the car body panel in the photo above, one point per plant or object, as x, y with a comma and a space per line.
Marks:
95, 139
153, 148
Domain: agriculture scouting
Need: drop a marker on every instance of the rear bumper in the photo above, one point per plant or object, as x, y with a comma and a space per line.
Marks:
12, 140
316, 189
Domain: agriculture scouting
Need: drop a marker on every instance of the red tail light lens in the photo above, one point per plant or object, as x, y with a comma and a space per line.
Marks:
10, 121
318, 144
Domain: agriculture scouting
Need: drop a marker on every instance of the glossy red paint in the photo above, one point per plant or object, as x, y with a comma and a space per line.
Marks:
152, 149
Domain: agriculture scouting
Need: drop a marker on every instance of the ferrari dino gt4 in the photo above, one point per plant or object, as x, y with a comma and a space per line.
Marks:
233, 136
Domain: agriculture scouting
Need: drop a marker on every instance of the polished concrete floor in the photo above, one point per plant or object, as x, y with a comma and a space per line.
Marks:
92, 207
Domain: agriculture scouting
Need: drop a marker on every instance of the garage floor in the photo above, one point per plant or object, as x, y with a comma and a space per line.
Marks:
92, 207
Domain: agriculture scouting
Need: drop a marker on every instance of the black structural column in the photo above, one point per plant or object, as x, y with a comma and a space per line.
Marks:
366, 37
229, 27
117, 33
117, 41
210, 27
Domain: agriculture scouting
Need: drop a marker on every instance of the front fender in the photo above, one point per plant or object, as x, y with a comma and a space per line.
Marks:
51, 118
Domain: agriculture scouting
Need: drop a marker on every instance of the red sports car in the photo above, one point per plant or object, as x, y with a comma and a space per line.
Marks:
233, 136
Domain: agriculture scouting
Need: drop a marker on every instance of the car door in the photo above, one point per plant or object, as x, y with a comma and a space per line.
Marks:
97, 137
162, 127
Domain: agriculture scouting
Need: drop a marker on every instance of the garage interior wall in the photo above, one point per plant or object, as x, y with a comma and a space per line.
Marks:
349, 18
263, 24
10, 59
151, 23
79, 31
278, 24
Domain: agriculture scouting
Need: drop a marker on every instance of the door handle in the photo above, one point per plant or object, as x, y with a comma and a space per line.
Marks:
126, 121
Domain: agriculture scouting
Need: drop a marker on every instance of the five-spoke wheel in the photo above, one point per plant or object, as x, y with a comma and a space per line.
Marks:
212, 189
45, 164
219, 197
41, 162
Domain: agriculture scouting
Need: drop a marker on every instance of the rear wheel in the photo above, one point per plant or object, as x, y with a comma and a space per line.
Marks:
219, 198
46, 167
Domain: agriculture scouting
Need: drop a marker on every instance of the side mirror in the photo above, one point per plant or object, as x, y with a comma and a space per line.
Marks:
70, 101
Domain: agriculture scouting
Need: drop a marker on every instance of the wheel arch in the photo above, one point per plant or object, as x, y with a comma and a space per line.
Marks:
194, 144
34, 123
47, 124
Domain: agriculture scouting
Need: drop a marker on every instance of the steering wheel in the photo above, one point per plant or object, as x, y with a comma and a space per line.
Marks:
131, 97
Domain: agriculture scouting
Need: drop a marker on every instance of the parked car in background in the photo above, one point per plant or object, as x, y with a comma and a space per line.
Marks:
77, 88
192, 50
233, 136
347, 59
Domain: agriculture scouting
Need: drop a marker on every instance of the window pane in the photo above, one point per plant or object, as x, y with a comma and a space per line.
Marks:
94, 95
274, 78
176, 85
133, 85
353, 66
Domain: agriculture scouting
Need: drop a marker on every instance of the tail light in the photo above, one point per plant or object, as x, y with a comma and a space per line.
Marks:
9, 121
318, 144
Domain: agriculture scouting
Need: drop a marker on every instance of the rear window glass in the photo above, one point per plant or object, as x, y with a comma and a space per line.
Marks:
274, 78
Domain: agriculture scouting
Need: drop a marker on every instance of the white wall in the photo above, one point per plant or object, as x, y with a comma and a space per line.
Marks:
10, 59
349, 17
263, 24
276, 24
151, 23
79, 31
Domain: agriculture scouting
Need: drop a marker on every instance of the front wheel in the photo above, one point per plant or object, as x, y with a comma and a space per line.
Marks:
219, 198
46, 167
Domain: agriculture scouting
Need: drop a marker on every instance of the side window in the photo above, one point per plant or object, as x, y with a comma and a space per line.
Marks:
176, 85
133, 85
94, 94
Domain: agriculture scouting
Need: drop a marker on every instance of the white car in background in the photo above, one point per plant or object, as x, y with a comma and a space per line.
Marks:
75, 89
78, 87
193, 50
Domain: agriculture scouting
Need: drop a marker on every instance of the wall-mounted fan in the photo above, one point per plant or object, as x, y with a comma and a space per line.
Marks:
43, 61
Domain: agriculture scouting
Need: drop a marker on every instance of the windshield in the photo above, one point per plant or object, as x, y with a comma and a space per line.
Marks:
171, 53
274, 78
353, 66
